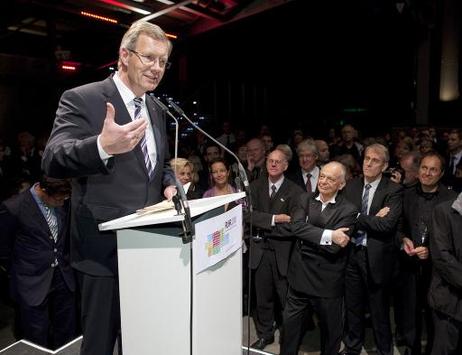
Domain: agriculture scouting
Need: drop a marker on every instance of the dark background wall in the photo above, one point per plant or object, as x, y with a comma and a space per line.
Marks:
312, 64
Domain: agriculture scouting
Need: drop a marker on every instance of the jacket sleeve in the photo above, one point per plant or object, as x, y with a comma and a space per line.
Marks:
72, 149
442, 247
8, 223
388, 223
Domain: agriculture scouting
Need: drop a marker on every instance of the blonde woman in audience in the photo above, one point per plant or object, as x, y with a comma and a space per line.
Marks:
184, 171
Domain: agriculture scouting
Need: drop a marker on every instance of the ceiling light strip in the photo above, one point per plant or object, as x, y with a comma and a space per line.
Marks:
98, 17
125, 6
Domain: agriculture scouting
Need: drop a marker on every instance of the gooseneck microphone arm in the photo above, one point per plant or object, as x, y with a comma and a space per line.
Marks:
242, 172
179, 200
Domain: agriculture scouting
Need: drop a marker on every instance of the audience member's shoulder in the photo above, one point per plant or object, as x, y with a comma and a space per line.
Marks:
293, 186
14, 203
346, 204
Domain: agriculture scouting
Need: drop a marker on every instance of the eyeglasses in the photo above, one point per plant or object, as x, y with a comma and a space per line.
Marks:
150, 59
275, 162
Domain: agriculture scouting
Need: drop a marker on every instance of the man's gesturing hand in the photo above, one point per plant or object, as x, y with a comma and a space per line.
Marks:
118, 139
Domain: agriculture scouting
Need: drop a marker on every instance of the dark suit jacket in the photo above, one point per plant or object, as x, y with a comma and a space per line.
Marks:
316, 269
263, 210
380, 230
25, 230
445, 294
297, 177
102, 192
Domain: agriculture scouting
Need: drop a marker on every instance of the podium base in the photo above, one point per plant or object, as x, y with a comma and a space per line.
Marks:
24, 347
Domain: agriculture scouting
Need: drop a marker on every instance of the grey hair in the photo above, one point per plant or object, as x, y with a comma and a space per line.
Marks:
149, 29
308, 144
381, 149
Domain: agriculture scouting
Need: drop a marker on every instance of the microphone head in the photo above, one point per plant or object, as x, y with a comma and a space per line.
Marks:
177, 108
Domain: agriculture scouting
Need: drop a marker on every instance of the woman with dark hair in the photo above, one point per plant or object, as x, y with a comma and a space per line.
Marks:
220, 172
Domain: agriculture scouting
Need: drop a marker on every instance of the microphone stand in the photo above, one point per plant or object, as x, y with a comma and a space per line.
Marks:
245, 182
179, 200
242, 173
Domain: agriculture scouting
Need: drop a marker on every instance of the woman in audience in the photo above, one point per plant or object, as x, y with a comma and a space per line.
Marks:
220, 171
184, 171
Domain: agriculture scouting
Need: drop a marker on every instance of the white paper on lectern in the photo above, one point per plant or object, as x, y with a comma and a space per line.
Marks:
217, 238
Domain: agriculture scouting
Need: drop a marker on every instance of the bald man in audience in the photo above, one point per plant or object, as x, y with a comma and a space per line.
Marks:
317, 268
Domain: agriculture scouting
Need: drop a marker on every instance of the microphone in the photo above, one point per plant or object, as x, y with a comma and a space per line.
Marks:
179, 200
242, 173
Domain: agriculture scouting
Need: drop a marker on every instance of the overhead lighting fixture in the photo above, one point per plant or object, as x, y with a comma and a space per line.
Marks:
98, 17
69, 66
125, 6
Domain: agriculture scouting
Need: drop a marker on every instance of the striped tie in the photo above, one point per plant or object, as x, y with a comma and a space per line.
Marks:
360, 235
52, 223
144, 147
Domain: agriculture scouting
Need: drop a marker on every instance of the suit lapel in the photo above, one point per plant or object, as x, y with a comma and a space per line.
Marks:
37, 215
154, 114
376, 203
122, 115
279, 197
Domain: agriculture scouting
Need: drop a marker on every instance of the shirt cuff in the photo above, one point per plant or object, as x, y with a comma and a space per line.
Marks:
273, 223
326, 238
102, 154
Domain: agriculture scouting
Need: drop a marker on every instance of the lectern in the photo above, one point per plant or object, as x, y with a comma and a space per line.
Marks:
166, 306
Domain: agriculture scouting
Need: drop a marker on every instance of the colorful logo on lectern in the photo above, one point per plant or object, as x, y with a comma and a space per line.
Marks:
220, 238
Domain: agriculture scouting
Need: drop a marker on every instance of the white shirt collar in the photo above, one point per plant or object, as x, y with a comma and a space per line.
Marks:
124, 90
374, 183
277, 183
332, 200
314, 172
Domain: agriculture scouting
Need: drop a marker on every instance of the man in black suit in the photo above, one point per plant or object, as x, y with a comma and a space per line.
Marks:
370, 262
110, 137
317, 267
412, 278
445, 297
274, 199
35, 231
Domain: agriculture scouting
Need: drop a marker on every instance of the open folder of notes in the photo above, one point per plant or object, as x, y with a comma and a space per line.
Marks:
158, 207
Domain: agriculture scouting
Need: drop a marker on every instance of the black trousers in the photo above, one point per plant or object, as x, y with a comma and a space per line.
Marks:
271, 293
410, 287
360, 291
52, 323
100, 314
299, 309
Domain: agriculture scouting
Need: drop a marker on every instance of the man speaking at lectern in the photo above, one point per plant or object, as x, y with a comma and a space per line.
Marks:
110, 137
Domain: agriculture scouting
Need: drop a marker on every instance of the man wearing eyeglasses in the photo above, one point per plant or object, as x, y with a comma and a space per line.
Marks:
273, 198
110, 138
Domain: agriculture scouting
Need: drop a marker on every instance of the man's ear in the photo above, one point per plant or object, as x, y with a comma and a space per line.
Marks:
123, 56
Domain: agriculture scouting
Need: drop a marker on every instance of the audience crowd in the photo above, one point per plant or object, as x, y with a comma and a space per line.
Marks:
346, 227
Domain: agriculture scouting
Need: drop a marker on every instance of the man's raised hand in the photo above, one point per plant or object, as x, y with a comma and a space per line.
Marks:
118, 139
